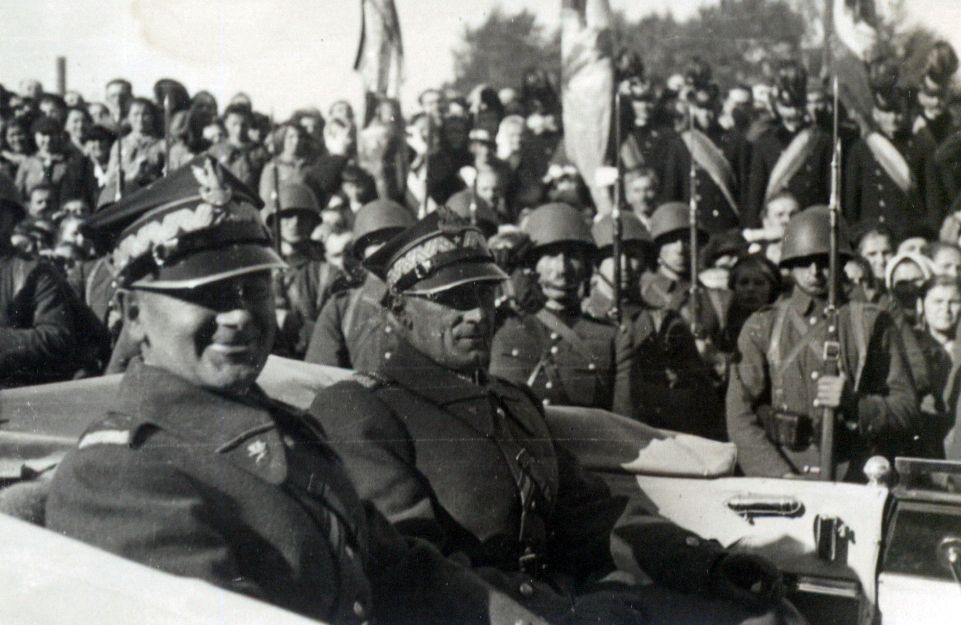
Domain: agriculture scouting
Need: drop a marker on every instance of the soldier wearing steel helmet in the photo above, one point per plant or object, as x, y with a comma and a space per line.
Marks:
306, 285
351, 330
563, 355
669, 285
777, 386
661, 379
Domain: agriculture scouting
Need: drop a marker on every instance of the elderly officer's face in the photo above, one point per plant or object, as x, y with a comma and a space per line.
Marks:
455, 327
217, 336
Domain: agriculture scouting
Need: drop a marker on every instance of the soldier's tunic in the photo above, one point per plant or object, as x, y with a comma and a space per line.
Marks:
871, 194
474, 469
661, 379
245, 493
352, 329
662, 293
304, 289
780, 361
727, 162
647, 147
810, 182
567, 361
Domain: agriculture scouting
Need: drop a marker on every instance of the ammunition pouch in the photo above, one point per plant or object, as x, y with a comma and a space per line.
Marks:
792, 430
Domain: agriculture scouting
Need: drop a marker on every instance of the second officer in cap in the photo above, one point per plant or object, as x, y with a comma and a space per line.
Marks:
661, 379
776, 386
563, 355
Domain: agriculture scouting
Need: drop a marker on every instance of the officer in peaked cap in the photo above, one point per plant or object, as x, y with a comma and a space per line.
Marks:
197, 472
563, 355
645, 141
468, 205
721, 158
777, 386
351, 329
466, 459
669, 285
662, 379
793, 156
306, 286
890, 176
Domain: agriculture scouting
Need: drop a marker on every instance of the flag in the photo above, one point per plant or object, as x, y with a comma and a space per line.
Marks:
853, 39
380, 55
587, 87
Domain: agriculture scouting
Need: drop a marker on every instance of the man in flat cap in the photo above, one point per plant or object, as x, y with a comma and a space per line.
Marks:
37, 329
198, 473
467, 461
793, 156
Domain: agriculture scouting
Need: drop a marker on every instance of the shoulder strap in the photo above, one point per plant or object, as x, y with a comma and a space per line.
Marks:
859, 329
774, 347
348, 320
556, 325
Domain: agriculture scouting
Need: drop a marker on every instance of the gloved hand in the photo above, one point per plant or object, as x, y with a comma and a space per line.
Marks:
747, 579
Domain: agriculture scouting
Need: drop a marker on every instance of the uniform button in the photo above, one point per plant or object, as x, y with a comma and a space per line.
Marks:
387, 355
814, 375
515, 352
813, 320
386, 329
877, 171
527, 590
882, 204
548, 384
359, 610
546, 402
521, 621
555, 336
554, 349
349, 551
692, 541
500, 411
592, 366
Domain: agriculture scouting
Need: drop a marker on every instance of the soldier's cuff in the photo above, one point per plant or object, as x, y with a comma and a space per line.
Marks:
869, 408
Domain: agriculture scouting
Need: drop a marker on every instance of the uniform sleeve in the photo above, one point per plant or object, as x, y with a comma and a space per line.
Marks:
143, 511
413, 583
852, 184
45, 337
749, 388
379, 457
328, 345
887, 403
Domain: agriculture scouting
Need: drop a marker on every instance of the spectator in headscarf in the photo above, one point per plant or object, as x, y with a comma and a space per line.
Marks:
290, 160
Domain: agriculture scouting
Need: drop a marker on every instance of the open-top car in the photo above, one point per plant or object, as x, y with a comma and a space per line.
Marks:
888, 551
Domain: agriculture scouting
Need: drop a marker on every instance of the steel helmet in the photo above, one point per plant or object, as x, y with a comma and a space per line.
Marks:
809, 234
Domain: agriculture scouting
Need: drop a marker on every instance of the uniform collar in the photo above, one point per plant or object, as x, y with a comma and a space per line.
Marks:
173, 404
804, 303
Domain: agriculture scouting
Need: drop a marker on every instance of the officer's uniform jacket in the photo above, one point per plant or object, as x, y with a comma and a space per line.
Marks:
810, 184
714, 209
565, 361
662, 293
647, 147
661, 379
871, 195
245, 493
473, 468
778, 366
305, 288
37, 339
352, 328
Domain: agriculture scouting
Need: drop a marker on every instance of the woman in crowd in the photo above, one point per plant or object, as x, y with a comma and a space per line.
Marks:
755, 282
141, 153
876, 246
75, 125
292, 150
15, 146
941, 305
49, 163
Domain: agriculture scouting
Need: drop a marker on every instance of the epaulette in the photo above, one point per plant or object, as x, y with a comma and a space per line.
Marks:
115, 429
369, 379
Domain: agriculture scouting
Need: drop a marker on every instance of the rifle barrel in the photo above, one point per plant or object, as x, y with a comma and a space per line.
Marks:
617, 226
695, 288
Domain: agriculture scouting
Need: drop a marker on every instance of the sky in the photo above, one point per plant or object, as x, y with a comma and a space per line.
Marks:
284, 53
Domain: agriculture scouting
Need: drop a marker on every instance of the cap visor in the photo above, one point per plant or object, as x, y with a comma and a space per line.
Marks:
458, 274
212, 265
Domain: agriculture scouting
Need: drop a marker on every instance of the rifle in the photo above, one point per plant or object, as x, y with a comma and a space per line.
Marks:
618, 226
119, 193
275, 196
696, 328
832, 345
168, 113
430, 138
